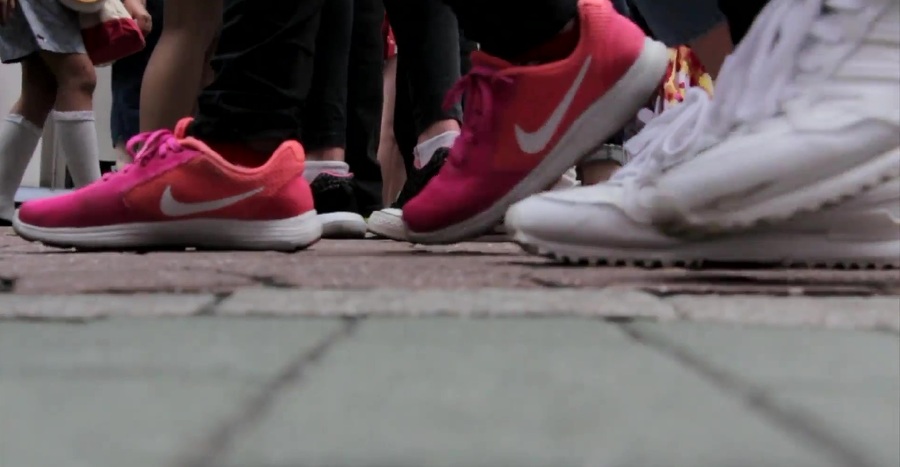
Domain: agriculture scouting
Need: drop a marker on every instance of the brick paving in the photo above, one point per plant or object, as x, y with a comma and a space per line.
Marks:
28, 268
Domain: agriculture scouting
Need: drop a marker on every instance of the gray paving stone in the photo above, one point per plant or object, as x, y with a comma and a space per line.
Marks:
845, 384
509, 393
81, 307
831, 312
132, 423
132, 392
610, 302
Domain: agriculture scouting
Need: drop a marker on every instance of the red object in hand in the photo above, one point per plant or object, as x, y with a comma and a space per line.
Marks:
111, 34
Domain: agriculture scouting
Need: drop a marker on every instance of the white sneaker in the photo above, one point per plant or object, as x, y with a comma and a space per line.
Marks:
589, 225
805, 114
388, 223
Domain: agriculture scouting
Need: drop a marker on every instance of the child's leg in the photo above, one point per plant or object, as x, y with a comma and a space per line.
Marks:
38, 91
73, 114
21, 130
173, 77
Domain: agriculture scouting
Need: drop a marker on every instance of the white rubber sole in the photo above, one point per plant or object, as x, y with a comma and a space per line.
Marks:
810, 198
290, 234
388, 225
586, 135
338, 225
798, 250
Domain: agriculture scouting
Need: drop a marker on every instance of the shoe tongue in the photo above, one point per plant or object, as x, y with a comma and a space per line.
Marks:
181, 127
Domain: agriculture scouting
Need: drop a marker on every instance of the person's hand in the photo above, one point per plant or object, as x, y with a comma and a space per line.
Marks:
139, 13
7, 7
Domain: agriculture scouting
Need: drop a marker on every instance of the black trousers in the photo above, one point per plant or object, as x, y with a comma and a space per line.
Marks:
428, 43
430, 60
509, 28
741, 14
325, 113
406, 127
365, 89
265, 59
263, 64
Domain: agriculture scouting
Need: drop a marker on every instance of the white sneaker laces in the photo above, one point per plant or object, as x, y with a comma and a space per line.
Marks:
757, 80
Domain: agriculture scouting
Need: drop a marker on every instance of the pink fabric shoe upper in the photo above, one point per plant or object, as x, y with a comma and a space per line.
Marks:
515, 115
169, 170
103, 202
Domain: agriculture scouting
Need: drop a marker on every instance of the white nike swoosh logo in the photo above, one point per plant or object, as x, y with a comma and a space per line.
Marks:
174, 208
533, 143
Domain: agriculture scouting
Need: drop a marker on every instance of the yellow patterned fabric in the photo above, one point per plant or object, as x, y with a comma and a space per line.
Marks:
684, 71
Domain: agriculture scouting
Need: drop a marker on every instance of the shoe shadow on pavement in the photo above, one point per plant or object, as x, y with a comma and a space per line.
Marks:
48, 251
373, 253
727, 278
391, 464
438, 253
706, 266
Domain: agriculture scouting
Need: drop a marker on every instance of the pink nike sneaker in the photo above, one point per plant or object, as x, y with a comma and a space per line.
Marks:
180, 193
524, 126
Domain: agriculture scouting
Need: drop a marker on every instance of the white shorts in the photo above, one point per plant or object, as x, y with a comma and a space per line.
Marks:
38, 25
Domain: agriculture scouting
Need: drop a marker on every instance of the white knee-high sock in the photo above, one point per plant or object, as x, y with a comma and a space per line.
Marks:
76, 137
18, 140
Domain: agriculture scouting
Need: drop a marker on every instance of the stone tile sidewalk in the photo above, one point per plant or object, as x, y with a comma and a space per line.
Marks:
378, 354
249, 392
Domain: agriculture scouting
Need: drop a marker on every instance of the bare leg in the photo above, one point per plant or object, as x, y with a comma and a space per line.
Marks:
712, 48
74, 123
393, 173
178, 65
75, 78
593, 173
20, 131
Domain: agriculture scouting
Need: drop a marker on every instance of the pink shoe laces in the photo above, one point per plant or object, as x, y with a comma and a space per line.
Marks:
478, 87
144, 147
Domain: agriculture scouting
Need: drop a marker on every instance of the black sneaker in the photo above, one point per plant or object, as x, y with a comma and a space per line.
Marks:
388, 222
416, 181
336, 206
